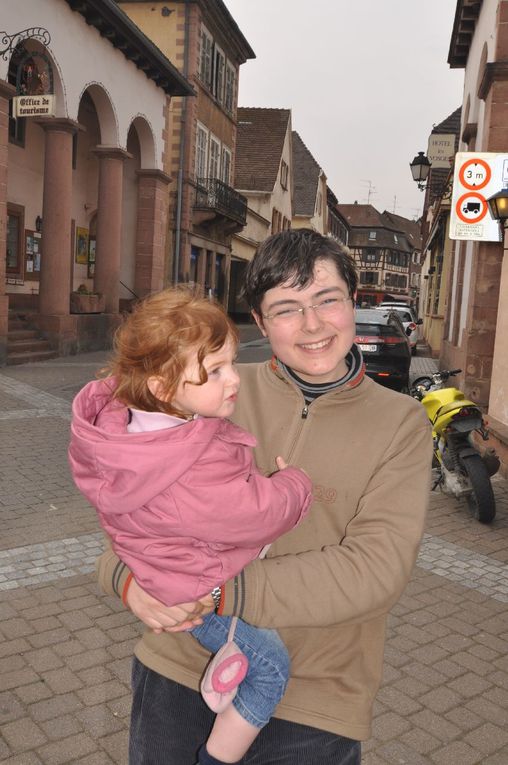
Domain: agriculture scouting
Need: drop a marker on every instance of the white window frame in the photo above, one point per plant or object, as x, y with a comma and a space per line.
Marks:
201, 160
226, 159
219, 73
229, 87
206, 58
214, 156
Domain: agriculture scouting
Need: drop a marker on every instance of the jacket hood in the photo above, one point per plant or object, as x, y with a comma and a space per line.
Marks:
119, 471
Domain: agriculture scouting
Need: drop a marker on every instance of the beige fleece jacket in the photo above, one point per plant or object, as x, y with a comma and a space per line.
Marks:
328, 584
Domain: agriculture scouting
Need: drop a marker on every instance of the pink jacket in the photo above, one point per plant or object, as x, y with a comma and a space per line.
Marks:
186, 508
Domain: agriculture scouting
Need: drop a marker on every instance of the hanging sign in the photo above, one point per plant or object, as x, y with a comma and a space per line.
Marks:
477, 176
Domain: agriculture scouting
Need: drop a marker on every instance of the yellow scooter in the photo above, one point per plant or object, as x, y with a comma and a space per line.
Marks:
463, 472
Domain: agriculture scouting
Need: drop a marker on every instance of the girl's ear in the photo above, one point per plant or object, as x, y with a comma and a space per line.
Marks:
259, 321
154, 385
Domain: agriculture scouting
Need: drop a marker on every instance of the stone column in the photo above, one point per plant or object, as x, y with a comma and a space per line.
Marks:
55, 278
6, 92
152, 225
109, 224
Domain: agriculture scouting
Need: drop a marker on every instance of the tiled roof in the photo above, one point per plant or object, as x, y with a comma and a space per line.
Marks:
305, 178
361, 215
411, 228
391, 230
259, 144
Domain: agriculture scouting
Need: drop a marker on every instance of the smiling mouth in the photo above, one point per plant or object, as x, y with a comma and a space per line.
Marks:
317, 346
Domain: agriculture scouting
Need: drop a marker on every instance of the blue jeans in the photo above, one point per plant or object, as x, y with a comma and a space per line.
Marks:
170, 722
268, 673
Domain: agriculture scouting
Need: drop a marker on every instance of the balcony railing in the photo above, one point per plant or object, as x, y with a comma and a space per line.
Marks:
212, 194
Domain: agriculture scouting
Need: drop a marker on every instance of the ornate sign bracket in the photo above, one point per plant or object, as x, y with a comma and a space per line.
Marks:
11, 41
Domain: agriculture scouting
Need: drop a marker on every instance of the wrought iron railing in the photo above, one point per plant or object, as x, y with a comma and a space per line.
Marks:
212, 194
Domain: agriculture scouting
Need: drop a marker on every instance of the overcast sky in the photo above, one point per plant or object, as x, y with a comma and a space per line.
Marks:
366, 80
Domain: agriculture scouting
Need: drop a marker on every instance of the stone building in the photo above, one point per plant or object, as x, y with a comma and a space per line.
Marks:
476, 328
204, 41
83, 191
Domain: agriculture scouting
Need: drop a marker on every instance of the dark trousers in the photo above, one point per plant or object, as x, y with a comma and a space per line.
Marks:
169, 723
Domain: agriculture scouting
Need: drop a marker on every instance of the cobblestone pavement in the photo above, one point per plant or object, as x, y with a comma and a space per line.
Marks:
65, 648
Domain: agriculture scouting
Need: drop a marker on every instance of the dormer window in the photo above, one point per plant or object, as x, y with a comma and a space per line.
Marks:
372, 235
284, 172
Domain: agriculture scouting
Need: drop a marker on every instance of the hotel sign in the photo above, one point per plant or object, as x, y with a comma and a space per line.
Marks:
34, 106
441, 150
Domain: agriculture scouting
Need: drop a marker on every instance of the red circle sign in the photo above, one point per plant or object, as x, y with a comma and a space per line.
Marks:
468, 177
462, 207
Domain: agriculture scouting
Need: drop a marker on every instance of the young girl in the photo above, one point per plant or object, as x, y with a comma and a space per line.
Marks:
177, 490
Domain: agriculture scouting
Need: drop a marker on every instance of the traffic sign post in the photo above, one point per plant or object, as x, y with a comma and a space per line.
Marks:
477, 176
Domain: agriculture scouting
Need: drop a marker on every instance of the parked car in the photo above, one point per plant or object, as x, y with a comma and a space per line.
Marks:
409, 320
384, 343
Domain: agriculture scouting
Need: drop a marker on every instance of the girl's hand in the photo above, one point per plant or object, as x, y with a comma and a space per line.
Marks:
161, 618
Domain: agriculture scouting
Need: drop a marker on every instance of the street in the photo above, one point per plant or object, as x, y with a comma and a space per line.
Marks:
65, 648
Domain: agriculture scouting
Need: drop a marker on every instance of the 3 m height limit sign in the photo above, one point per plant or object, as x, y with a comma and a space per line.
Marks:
477, 176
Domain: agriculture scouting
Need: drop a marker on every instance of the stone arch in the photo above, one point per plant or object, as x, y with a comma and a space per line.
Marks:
146, 141
106, 113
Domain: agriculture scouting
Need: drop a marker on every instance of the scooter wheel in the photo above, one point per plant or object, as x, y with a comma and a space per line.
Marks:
481, 501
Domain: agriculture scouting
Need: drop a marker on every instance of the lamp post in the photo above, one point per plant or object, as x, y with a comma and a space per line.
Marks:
498, 206
420, 167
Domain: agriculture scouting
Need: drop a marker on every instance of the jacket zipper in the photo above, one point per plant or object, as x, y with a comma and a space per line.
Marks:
305, 412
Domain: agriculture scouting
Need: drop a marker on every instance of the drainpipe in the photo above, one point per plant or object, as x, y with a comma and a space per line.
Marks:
179, 188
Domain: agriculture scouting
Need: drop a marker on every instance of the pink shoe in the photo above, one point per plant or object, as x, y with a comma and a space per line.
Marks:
224, 674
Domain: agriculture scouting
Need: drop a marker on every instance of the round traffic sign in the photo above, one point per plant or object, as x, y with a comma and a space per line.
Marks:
471, 207
475, 174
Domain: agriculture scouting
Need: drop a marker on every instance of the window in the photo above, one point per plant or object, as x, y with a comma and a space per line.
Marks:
214, 158
226, 166
284, 172
219, 74
229, 96
370, 255
205, 64
372, 235
368, 277
319, 203
201, 151
395, 238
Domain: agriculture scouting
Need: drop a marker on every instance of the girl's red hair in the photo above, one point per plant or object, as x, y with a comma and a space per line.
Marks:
156, 340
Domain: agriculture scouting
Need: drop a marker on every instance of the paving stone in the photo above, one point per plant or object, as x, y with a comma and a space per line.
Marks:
57, 753
23, 734
99, 721
456, 753
488, 738
469, 685
10, 708
440, 700
62, 726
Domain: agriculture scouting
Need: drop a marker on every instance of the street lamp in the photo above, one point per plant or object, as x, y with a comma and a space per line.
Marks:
420, 167
498, 206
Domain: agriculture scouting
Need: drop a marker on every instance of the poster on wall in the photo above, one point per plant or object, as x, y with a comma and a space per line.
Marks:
32, 255
81, 245
91, 258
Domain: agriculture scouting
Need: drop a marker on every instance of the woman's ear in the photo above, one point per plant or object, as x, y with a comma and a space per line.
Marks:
154, 385
259, 321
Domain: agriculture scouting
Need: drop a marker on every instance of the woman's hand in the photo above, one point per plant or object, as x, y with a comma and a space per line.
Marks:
161, 618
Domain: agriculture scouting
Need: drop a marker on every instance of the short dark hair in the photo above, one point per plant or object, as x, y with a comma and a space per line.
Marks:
289, 257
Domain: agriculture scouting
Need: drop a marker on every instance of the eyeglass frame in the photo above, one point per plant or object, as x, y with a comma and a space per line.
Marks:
292, 312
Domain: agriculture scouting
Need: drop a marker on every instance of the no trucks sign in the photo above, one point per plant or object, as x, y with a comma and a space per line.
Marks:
477, 176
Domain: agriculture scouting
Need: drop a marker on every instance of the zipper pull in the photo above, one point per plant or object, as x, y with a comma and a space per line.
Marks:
305, 412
